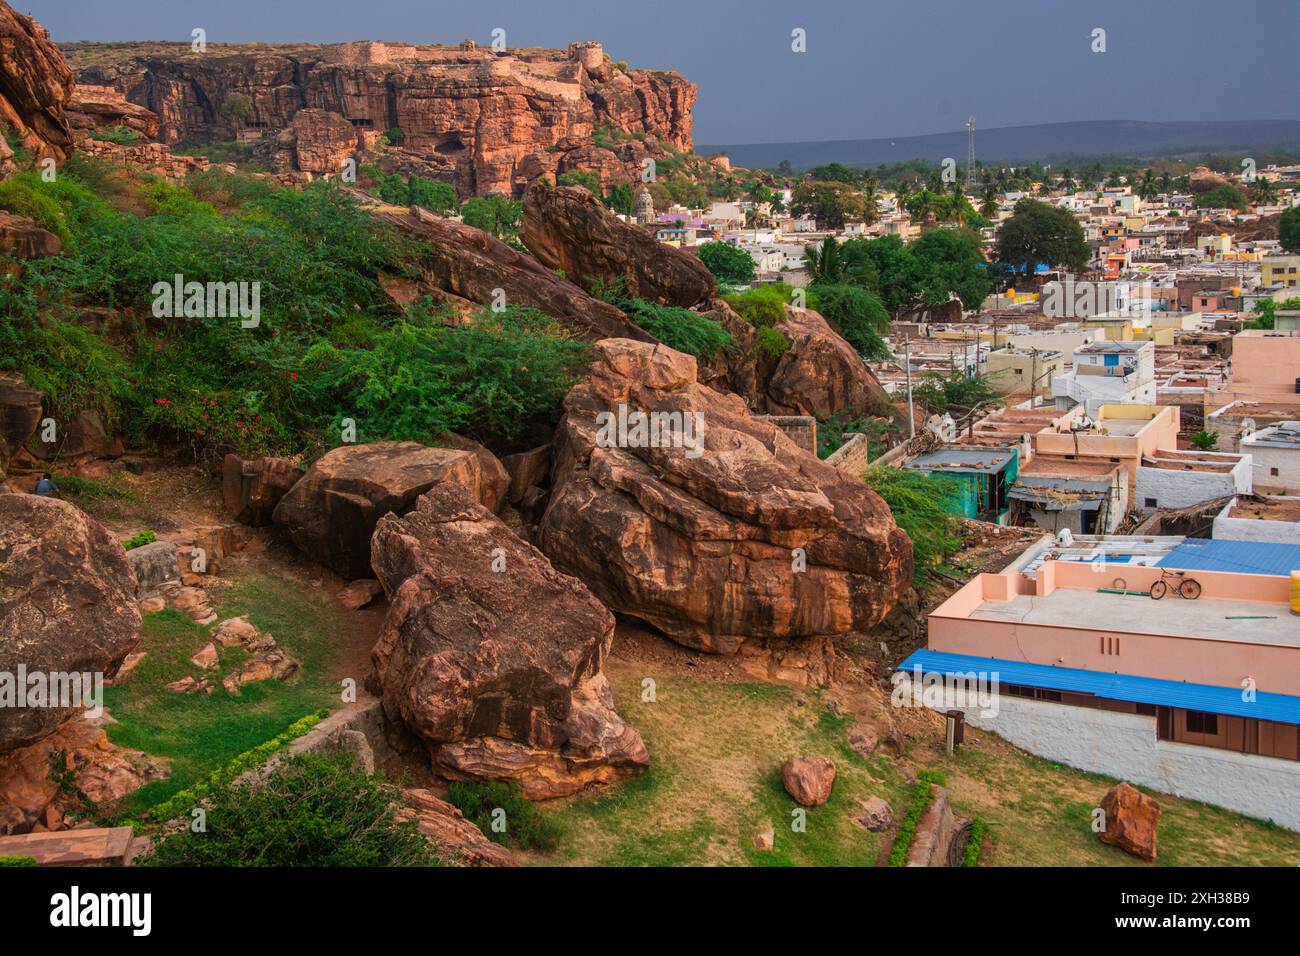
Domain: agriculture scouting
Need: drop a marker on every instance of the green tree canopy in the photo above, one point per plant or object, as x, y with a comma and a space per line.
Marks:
727, 262
1037, 232
830, 203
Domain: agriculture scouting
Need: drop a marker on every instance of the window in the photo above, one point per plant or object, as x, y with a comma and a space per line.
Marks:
1272, 472
1202, 723
1151, 503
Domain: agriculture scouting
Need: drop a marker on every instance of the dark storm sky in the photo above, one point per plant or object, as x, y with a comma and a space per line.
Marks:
872, 67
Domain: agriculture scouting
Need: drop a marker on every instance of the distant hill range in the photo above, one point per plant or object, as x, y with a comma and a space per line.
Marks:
1048, 142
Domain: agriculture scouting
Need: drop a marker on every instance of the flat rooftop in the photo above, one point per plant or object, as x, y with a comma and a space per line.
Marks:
1203, 618
1267, 509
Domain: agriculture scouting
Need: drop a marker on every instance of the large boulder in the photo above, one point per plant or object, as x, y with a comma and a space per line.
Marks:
808, 779
22, 238
20, 413
467, 263
35, 83
83, 435
491, 656
568, 228
494, 479
332, 512
67, 606
821, 374
252, 487
1130, 820
714, 534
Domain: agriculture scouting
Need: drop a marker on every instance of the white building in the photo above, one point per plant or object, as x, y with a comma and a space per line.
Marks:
1108, 373
1276, 454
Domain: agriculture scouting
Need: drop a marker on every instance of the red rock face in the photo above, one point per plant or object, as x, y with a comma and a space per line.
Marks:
35, 83
489, 121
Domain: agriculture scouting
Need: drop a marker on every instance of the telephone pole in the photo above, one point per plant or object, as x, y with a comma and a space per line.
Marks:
907, 361
970, 152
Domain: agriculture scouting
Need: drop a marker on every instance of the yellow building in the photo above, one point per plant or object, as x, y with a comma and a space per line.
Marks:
1280, 270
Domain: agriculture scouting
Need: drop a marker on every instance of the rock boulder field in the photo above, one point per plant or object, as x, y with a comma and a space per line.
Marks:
331, 513
1130, 820
492, 657
568, 228
469, 264
67, 605
35, 84
744, 536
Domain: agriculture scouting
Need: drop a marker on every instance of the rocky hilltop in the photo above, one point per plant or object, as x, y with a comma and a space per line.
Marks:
490, 122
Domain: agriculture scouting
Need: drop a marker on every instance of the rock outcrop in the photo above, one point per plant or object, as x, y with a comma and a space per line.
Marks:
20, 413
468, 263
459, 842
722, 529
252, 487
821, 374
484, 120
1130, 820
22, 238
332, 511
492, 657
35, 83
568, 228
103, 107
67, 606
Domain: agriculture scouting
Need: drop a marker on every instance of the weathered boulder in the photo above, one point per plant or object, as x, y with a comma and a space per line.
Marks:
1130, 820
821, 374
252, 487
459, 841
331, 513
35, 83
154, 565
466, 262
83, 435
22, 238
874, 815
726, 530
323, 140
67, 606
494, 480
808, 779
527, 469
103, 107
492, 657
20, 413
568, 228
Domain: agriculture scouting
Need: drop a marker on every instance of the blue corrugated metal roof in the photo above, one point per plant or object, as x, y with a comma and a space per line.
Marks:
1283, 708
1244, 557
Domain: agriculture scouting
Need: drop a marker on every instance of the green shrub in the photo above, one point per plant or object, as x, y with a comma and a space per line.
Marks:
679, 328
525, 827
728, 263
762, 306
18, 861
915, 809
91, 489
116, 134
311, 810
772, 343
975, 844
857, 313
139, 540
940, 392
395, 136
925, 508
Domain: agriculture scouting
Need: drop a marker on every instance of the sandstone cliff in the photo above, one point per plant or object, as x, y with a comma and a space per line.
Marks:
489, 122
35, 83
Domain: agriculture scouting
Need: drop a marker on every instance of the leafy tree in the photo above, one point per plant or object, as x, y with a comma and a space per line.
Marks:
585, 178
836, 173
857, 314
236, 108
728, 263
953, 392
498, 216
1037, 232
1222, 197
435, 197
830, 203
1205, 441
396, 136
953, 261
1288, 229
620, 199
926, 508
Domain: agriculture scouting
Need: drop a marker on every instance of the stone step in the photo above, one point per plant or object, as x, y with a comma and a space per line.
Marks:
90, 847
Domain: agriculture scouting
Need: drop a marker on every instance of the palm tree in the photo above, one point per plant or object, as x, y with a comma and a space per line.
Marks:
1262, 190
1067, 181
824, 264
989, 206
1166, 182
871, 200
1148, 189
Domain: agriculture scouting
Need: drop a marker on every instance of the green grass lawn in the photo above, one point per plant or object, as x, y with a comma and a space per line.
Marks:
714, 783
200, 732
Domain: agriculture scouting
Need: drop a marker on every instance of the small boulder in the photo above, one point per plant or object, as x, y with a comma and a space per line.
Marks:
360, 593
808, 779
875, 815
1130, 820
765, 839
207, 657
527, 469
154, 565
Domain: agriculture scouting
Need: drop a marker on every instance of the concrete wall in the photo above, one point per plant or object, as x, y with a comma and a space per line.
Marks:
1266, 459
1178, 488
1265, 363
1254, 529
1125, 746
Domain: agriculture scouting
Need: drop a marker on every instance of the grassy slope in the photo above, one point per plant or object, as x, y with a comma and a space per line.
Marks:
716, 749
202, 732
